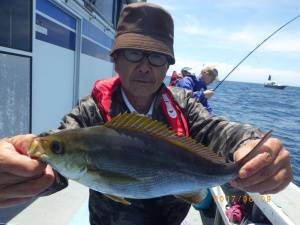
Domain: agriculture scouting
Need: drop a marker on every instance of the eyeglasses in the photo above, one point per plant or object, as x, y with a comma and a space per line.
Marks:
155, 59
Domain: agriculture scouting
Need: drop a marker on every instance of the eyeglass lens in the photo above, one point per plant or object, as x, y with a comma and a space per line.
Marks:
155, 59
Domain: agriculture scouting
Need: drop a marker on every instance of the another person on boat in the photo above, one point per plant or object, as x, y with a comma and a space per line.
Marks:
142, 58
199, 85
178, 76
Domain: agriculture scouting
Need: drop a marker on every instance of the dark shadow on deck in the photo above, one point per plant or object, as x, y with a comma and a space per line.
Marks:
7, 214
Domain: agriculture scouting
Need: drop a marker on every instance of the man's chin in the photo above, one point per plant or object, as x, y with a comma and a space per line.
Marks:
143, 91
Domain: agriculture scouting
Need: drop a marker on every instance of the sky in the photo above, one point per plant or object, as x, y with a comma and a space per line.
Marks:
223, 32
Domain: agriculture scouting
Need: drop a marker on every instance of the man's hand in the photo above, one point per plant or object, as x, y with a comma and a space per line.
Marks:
22, 178
268, 172
208, 93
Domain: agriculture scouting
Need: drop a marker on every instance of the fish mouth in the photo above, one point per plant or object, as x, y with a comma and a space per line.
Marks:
36, 149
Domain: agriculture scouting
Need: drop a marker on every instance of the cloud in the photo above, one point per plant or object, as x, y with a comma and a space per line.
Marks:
168, 7
246, 36
249, 36
257, 5
196, 65
283, 45
191, 25
280, 43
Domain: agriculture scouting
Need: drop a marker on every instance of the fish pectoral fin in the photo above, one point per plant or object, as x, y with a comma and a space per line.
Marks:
193, 197
112, 176
118, 199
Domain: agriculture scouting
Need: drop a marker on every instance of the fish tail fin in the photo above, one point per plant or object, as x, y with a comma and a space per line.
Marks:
253, 152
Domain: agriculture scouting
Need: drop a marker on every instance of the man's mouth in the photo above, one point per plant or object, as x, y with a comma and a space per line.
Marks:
143, 81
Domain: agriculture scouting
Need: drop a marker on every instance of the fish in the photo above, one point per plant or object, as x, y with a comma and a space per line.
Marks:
135, 157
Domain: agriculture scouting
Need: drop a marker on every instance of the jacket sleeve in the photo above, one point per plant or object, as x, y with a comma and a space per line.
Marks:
85, 114
200, 96
189, 84
216, 132
186, 83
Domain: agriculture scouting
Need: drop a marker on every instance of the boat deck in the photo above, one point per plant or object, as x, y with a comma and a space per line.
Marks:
70, 207
67, 207
63, 208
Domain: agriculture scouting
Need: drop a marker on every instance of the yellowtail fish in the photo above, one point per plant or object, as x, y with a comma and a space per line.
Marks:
132, 156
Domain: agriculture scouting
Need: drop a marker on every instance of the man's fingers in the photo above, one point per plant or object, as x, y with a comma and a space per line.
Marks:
22, 142
279, 187
257, 163
21, 177
21, 165
15, 163
28, 189
267, 155
263, 174
277, 182
8, 179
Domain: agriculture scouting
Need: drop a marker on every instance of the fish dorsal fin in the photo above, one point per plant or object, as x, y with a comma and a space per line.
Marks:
137, 123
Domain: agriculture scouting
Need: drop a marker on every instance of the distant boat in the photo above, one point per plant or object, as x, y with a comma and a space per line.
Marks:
273, 84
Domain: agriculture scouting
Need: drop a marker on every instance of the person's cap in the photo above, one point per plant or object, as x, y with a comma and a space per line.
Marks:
145, 26
186, 71
212, 71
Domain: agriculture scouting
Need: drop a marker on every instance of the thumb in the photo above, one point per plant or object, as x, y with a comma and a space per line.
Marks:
22, 142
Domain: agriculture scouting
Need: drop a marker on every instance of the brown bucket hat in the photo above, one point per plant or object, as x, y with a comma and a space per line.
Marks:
145, 26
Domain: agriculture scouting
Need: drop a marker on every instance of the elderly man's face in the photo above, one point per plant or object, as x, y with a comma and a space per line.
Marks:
140, 78
208, 79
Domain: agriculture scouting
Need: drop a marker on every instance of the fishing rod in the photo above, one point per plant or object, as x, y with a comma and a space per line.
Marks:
255, 49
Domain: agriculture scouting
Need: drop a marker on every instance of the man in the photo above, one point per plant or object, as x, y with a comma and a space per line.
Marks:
199, 85
142, 58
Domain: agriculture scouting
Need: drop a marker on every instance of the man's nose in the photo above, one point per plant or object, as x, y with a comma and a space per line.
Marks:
144, 66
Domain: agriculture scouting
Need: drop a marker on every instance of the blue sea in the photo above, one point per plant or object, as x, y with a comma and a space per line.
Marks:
266, 108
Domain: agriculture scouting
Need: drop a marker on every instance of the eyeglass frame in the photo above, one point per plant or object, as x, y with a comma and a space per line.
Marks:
145, 53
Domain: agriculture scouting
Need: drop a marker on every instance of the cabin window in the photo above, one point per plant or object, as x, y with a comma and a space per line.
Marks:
16, 24
104, 8
15, 94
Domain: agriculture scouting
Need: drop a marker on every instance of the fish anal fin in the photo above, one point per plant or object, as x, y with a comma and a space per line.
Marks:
118, 199
193, 197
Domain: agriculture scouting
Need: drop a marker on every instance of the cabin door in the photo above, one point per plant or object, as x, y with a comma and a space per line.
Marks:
54, 72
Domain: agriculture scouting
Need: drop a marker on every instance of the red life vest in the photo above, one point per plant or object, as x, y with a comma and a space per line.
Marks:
173, 79
103, 89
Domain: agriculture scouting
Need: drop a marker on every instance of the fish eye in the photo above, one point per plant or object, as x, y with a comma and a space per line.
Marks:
57, 147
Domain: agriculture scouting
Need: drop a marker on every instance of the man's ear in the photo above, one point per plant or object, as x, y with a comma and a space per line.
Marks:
113, 57
116, 64
167, 66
